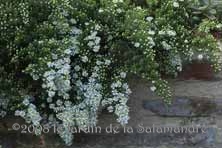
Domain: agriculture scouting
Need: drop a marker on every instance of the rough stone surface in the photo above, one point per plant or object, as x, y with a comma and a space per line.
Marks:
179, 107
184, 107
196, 88
198, 97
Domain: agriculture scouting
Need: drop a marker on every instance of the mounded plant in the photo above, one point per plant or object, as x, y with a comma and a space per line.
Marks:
61, 61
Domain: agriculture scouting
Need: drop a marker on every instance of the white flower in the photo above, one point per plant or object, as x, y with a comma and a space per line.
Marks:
51, 94
49, 64
161, 32
179, 68
118, 84
97, 27
151, 32
3, 114
85, 59
153, 88
33, 115
50, 78
123, 75
107, 62
200, 57
171, 33
51, 106
35, 77
110, 109
49, 100
78, 98
68, 51
51, 117
138, 7
117, 1
84, 73
59, 102
20, 113
91, 44
75, 76
54, 56
73, 21
176, 4
17, 113
77, 68
55, 23
219, 26
149, 18
110, 37
101, 10
96, 48
94, 74
99, 63
68, 103
97, 40
137, 44
25, 102
40, 42
76, 31
43, 105
119, 10
166, 45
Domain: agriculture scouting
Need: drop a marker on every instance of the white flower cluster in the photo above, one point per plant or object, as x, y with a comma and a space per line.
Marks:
176, 61
85, 113
31, 115
3, 106
94, 40
176, 4
23, 9
153, 88
57, 79
117, 1
67, 121
167, 32
64, 75
65, 134
88, 84
3, 113
120, 96
166, 45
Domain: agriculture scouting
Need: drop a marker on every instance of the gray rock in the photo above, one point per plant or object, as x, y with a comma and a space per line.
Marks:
182, 107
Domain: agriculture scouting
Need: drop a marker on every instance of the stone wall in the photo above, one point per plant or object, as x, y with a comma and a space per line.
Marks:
196, 104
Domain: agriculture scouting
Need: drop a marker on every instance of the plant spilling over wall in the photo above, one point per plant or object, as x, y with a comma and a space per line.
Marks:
61, 61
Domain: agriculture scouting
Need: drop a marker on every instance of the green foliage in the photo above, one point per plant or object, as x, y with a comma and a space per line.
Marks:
208, 8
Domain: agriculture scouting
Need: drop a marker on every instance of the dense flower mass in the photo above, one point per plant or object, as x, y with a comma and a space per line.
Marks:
62, 61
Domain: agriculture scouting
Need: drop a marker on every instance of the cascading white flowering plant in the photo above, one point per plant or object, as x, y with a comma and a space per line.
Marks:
62, 61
